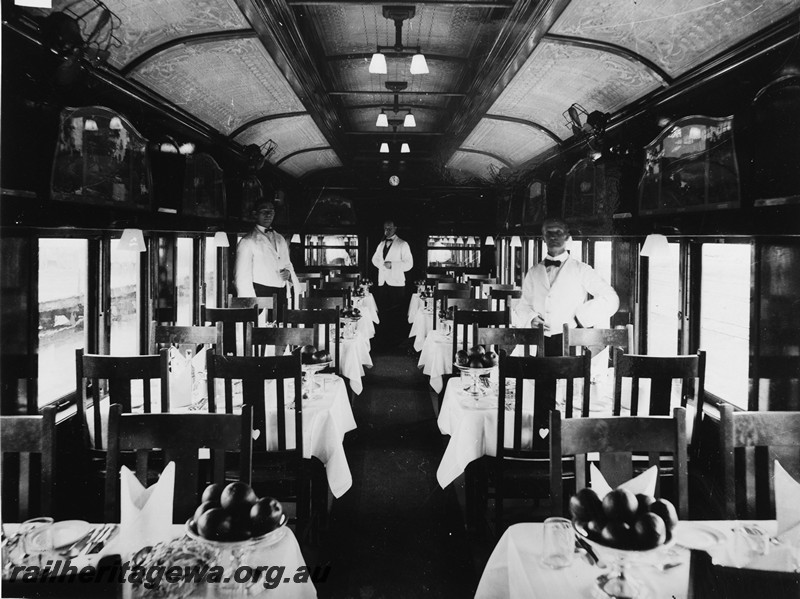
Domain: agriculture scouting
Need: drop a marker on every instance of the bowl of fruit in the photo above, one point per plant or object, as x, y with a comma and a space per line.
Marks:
232, 516
476, 366
622, 529
313, 360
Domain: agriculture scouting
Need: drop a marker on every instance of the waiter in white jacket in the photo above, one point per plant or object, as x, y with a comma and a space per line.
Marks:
393, 260
556, 291
263, 268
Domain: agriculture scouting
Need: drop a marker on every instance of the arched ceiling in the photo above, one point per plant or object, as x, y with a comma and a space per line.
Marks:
502, 72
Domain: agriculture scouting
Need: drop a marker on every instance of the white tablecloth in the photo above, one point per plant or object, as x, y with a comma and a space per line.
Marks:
514, 570
436, 359
355, 356
284, 553
327, 416
420, 319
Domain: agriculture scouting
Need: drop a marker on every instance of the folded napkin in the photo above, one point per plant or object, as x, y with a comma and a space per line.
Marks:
145, 514
644, 483
787, 505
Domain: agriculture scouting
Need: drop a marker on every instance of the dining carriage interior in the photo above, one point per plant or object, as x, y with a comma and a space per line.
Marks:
436, 445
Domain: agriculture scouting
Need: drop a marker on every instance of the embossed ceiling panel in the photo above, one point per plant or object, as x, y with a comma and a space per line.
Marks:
364, 120
464, 165
387, 100
290, 134
557, 75
306, 162
448, 30
513, 142
225, 83
147, 24
675, 34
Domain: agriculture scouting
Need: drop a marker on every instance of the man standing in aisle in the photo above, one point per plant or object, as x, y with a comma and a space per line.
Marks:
262, 259
393, 259
555, 291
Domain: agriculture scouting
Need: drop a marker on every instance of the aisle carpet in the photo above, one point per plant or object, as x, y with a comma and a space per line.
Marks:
396, 533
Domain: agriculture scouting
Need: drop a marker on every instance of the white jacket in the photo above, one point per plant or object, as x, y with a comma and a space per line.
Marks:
400, 257
566, 299
259, 261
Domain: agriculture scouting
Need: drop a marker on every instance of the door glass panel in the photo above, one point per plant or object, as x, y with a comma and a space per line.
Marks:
602, 259
183, 279
663, 303
210, 274
124, 301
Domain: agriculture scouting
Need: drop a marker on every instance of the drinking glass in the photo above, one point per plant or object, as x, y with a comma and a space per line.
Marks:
39, 543
559, 543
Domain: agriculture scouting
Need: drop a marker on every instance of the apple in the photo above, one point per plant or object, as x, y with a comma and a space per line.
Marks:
476, 362
487, 361
618, 534
320, 357
237, 499
462, 357
667, 512
649, 531
215, 524
265, 515
203, 508
212, 492
306, 352
645, 501
477, 350
620, 505
585, 506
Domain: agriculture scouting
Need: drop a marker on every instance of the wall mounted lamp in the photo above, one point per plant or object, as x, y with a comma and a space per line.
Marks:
132, 240
221, 239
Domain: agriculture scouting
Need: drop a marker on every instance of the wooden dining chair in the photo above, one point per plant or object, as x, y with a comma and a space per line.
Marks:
469, 303
177, 438
279, 338
115, 378
19, 384
618, 440
233, 320
595, 340
750, 443
454, 287
28, 465
188, 339
279, 468
323, 303
442, 298
506, 339
313, 280
521, 467
501, 296
467, 322
266, 305
661, 371
327, 326
339, 283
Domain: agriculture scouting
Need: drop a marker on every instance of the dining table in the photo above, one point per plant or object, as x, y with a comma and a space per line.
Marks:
105, 577
420, 317
327, 417
515, 569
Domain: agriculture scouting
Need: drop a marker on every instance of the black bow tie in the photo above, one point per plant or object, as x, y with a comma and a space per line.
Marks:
270, 230
548, 262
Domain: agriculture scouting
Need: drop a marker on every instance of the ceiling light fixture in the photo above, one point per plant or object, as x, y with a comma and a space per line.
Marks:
384, 148
382, 121
410, 121
489, 240
516, 242
405, 149
90, 125
398, 14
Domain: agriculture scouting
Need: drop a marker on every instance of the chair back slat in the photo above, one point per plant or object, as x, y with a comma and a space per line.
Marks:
230, 318
469, 303
617, 439
16, 368
323, 303
25, 494
750, 443
622, 338
186, 338
268, 304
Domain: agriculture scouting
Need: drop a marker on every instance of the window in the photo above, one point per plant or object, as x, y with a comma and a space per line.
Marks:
210, 274
62, 312
331, 250
602, 259
451, 251
725, 319
184, 281
663, 303
124, 301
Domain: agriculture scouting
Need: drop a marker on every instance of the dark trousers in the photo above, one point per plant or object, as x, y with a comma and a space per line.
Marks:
554, 345
393, 312
279, 295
